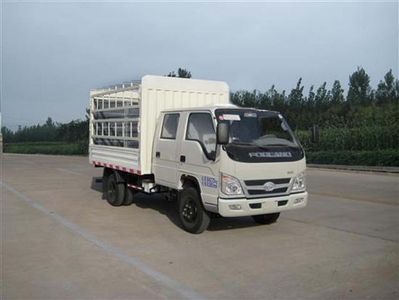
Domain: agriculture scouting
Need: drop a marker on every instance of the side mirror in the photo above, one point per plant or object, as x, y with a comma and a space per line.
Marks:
222, 133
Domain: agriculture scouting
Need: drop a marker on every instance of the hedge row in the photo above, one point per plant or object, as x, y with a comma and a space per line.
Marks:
46, 148
359, 158
361, 138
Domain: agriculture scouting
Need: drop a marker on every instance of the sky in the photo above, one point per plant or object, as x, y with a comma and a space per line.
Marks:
54, 53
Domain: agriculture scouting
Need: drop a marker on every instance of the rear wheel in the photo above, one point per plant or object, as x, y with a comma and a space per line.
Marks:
192, 215
115, 192
266, 219
129, 196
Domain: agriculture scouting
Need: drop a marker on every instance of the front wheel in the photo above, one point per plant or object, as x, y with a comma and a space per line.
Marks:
192, 215
266, 219
115, 192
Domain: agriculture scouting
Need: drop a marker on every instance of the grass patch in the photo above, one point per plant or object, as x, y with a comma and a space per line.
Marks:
46, 148
387, 158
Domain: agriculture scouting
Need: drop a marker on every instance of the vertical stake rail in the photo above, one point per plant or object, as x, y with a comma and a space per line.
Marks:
131, 130
114, 113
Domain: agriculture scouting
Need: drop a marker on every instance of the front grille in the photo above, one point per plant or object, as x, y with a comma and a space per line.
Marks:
263, 181
256, 187
263, 192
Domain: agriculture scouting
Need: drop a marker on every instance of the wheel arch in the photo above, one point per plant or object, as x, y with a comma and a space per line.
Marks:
107, 172
120, 178
189, 180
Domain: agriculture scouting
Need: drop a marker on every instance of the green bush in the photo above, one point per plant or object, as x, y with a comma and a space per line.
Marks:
360, 158
46, 148
357, 139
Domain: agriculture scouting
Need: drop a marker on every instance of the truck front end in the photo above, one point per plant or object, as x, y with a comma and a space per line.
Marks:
262, 166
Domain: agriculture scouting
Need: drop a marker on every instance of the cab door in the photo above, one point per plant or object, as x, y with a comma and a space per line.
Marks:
198, 153
165, 163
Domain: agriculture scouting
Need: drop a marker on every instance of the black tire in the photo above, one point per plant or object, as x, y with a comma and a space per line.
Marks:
115, 192
266, 219
129, 196
106, 175
193, 217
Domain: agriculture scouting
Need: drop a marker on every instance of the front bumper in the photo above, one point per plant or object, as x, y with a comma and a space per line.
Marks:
260, 206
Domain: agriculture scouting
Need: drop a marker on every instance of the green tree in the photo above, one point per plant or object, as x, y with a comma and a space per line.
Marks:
49, 122
277, 100
359, 88
8, 135
337, 93
181, 73
311, 96
244, 98
295, 98
387, 90
322, 98
295, 105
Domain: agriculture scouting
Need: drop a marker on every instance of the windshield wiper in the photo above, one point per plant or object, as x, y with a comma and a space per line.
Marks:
266, 147
243, 143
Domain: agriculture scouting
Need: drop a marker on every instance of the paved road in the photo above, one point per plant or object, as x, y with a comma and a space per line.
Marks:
60, 240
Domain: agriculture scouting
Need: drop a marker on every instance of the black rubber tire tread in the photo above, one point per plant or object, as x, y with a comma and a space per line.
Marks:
129, 196
202, 220
267, 218
118, 197
106, 175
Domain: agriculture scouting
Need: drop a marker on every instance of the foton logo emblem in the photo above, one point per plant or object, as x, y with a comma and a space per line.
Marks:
270, 154
269, 186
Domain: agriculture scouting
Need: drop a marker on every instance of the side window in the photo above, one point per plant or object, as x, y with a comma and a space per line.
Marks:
169, 126
200, 128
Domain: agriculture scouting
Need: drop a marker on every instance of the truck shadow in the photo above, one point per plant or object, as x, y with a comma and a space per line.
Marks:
168, 208
97, 184
220, 223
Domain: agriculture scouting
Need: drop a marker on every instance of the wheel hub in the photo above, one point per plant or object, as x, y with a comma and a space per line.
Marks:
189, 211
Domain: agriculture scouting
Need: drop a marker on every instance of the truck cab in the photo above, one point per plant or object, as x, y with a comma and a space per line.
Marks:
229, 161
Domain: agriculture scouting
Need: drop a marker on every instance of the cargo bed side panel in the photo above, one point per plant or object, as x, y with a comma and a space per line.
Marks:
124, 159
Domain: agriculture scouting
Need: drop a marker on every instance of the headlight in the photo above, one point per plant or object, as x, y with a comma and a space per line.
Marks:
231, 185
299, 182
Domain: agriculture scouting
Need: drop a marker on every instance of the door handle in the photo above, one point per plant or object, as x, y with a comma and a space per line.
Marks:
182, 158
158, 154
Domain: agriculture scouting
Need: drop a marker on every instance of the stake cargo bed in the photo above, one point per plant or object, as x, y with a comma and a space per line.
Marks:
123, 118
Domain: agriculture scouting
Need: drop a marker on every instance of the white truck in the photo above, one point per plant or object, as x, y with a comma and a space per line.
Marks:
183, 137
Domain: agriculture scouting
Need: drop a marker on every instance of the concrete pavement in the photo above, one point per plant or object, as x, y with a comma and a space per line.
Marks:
60, 240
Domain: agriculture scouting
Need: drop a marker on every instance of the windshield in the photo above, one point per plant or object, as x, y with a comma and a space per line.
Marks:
259, 136
259, 128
